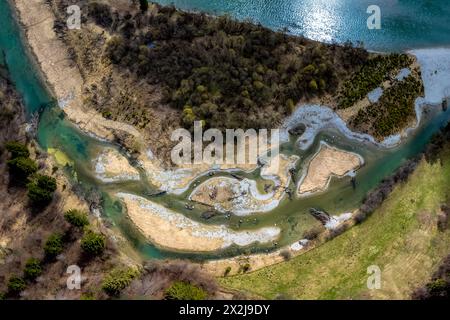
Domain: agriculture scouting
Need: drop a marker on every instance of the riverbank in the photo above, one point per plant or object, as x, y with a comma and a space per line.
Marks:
62, 76
236, 265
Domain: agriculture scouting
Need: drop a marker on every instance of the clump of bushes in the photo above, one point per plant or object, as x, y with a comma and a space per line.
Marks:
333, 233
33, 269
87, 296
117, 280
93, 243
41, 189
101, 13
370, 76
23, 169
77, 218
20, 165
313, 233
107, 114
359, 217
227, 271
436, 289
286, 254
438, 142
244, 268
376, 197
16, 285
437, 286
17, 149
180, 290
394, 110
53, 246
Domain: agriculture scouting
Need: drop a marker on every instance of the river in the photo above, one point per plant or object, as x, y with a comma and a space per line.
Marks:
55, 131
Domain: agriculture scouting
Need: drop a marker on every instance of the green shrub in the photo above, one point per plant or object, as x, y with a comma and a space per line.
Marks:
87, 296
21, 168
437, 286
286, 254
2, 296
77, 218
41, 189
17, 149
290, 106
258, 85
117, 280
309, 69
371, 75
100, 12
107, 114
20, 165
32, 269
313, 233
313, 85
180, 290
393, 111
53, 246
16, 285
93, 243
227, 271
245, 267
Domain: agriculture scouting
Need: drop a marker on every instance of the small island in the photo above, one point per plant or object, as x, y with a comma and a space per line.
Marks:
325, 164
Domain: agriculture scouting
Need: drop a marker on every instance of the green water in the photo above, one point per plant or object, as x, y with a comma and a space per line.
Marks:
56, 132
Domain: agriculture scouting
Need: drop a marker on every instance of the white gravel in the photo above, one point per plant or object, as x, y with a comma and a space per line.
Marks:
240, 238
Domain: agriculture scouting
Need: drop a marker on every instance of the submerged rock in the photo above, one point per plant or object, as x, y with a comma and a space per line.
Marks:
353, 182
157, 194
298, 130
320, 215
209, 214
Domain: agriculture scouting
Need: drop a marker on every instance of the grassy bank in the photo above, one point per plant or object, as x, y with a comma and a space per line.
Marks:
401, 237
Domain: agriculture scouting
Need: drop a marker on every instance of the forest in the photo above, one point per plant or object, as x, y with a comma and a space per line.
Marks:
226, 73
370, 76
393, 112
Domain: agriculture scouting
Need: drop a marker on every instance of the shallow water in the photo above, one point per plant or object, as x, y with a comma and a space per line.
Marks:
56, 132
